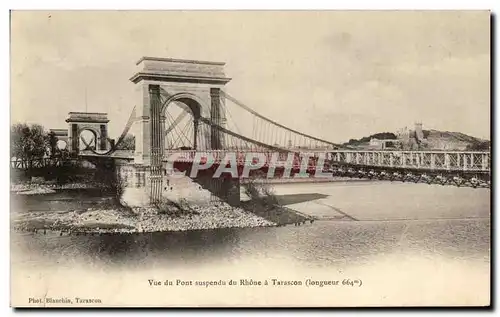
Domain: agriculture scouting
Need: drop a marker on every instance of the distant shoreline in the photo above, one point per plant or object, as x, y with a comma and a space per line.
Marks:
46, 187
315, 180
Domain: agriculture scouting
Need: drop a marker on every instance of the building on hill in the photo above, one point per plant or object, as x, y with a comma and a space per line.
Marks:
377, 144
412, 139
419, 133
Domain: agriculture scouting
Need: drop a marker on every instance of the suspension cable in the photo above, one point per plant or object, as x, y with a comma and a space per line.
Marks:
240, 104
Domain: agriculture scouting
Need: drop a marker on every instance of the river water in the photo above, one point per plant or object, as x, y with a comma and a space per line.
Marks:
409, 244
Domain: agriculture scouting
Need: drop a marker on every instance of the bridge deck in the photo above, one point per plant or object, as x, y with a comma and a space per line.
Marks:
412, 160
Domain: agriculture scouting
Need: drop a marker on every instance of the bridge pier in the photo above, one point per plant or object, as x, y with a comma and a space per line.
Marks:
141, 184
134, 180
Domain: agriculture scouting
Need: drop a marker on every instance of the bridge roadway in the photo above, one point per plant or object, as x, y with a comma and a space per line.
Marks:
459, 168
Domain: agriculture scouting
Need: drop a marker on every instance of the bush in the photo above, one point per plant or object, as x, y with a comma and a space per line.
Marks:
106, 175
175, 209
259, 191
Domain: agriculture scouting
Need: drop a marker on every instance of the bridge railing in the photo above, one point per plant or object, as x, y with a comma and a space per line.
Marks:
425, 160
421, 160
271, 159
432, 160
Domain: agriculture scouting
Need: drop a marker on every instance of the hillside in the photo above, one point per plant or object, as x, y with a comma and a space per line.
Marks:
436, 140
454, 141
365, 140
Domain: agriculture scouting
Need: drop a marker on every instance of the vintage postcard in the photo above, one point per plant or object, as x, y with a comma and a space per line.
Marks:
250, 158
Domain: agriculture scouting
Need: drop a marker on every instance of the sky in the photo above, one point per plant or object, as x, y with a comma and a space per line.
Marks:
332, 74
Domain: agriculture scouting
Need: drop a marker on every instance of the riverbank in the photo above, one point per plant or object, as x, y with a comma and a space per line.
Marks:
72, 215
89, 207
132, 221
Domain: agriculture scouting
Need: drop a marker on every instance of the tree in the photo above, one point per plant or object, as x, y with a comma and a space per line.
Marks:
52, 140
366, 139
128, 143
28, 142
479, 146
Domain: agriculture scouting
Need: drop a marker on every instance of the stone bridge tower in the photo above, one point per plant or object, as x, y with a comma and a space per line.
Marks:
160, 81
95, 122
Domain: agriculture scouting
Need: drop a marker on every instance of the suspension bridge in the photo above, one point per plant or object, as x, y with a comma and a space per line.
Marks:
183, 116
